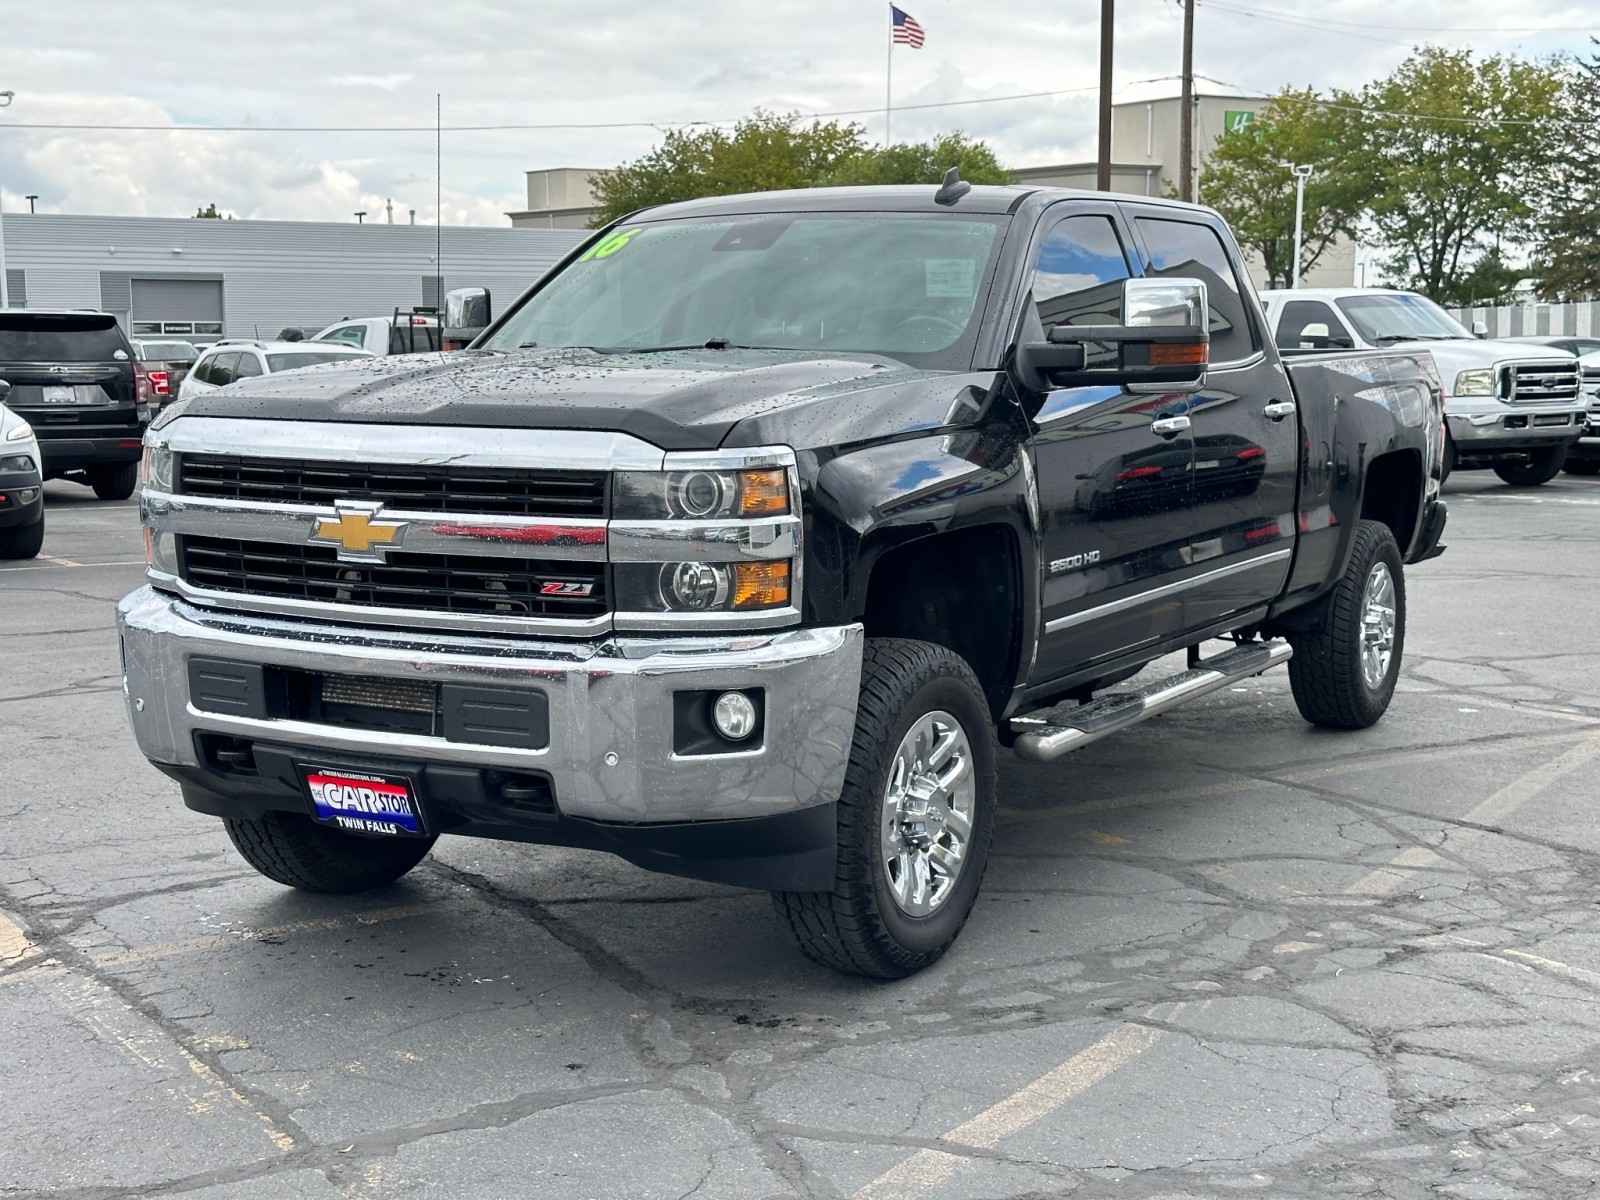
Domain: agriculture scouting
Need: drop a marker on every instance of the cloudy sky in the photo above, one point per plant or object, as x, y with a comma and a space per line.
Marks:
624, 70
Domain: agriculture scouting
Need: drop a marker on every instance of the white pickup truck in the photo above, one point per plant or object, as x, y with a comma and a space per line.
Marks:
1512, 406
403, 332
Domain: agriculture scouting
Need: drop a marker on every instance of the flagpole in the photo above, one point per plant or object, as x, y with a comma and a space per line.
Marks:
888, 76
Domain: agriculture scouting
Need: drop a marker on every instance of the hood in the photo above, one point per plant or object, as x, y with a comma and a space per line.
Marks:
677, 400
1465, 353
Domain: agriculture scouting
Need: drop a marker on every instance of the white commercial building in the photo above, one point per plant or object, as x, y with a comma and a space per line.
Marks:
202, 279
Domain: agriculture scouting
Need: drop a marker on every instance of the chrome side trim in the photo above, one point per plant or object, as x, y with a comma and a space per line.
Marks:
1165, 590
413, 445
565, 538
666, 622
714, 541
753, 459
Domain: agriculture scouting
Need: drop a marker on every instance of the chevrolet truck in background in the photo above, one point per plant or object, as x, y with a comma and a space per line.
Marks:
1513, 406
741, 543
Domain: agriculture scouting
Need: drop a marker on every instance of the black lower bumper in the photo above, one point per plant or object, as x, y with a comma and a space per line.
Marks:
63, 454
790, 851
21, 498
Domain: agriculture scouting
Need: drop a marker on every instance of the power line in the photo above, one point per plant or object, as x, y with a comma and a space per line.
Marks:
511, 128
1255, 94
1271, 12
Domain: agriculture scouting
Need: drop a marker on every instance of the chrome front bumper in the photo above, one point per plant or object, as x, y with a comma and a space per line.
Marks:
1483, 431
610, 754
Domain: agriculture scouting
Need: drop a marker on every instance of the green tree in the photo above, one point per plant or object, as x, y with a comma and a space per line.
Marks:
1457, 150
764, 152
1245, 179
769, 152
1568, 260
922, 162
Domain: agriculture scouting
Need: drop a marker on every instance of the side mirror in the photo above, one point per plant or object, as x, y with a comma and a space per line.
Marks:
5, 390
1315, 336
1162, 346
1480, 329
466, 313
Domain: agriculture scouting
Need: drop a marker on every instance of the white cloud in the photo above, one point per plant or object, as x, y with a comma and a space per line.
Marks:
311, 62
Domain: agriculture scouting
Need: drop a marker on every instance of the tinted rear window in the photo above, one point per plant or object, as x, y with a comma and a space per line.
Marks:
38, 337
305, 358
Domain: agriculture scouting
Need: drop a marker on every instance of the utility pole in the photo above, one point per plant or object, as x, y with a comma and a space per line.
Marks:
5, 293
1186, 109
1107, 23
30, 198
361, 217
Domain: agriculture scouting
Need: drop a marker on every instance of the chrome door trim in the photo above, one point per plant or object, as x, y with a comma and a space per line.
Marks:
1165, 590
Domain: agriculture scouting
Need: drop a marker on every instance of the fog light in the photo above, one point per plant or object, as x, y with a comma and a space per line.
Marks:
734, 716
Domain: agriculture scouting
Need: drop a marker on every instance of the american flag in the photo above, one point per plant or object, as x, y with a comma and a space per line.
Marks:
906, 30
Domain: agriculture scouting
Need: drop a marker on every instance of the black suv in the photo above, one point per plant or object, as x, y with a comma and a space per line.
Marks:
72, 378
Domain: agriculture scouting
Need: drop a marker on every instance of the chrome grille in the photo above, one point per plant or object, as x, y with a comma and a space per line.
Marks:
1539, 382
436, 489
450, 583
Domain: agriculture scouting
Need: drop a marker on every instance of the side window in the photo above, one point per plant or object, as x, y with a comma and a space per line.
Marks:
1195, 252
249, 365
1297, 314
348, 335
224, 368
1077, 277
202, 369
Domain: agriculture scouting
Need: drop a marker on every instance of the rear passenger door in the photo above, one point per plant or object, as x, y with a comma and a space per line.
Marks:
1113, 490
1245, 426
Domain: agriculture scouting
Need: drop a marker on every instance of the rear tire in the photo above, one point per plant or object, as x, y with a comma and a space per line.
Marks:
295, 851
1344, 676
915, 817
114, 483
1449, 464
1581, 466
1541, 467
22, 541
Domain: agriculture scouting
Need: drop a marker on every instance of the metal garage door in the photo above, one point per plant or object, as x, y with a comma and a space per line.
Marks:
177, 308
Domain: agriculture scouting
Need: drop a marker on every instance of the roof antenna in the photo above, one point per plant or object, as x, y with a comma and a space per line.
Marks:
953, 188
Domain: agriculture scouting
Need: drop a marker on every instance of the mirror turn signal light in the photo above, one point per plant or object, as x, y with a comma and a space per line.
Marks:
763, 493
760, 585
1179, 354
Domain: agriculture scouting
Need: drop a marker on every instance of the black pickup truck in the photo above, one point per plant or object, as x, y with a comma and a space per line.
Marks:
741, 542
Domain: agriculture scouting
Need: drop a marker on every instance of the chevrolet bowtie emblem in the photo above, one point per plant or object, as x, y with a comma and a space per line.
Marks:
357, 531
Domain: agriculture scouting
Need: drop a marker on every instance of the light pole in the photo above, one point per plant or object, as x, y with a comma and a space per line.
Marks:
1301, 172
5, 292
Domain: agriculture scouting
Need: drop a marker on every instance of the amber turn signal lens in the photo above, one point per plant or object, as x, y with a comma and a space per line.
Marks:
760, 585
1179, 354
763, 493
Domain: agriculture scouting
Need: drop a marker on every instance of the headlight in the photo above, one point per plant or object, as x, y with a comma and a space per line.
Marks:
700, 587
19, 431
1477, 382
701, 495
155, 469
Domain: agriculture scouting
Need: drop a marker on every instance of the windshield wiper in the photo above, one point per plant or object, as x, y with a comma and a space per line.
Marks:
716, 343
1389, 339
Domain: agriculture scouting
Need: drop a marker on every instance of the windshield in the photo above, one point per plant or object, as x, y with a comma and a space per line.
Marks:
65, 337
906, 286
306, 358
1400, 316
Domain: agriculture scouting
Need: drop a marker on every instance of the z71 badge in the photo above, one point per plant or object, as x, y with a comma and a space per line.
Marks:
553, 588
1074, 561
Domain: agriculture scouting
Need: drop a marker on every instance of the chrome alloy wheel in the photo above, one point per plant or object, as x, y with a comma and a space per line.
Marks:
1377, 626
928, 811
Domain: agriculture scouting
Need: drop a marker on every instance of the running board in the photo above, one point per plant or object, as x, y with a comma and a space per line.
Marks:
1044, 736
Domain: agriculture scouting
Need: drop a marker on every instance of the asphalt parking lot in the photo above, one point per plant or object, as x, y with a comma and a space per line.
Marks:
1222, 955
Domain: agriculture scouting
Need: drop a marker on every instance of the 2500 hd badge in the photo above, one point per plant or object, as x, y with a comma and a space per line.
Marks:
745, 539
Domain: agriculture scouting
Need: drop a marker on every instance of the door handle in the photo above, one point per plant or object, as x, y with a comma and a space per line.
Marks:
1167, 426
1279, 409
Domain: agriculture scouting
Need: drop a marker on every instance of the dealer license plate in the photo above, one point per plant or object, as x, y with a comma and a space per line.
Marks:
364, 801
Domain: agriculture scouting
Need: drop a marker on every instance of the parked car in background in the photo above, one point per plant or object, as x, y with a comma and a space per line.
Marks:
1511, 406
21, 486
71, 373
1571, 343
228, 361
160, 366
1583, 458
402, 332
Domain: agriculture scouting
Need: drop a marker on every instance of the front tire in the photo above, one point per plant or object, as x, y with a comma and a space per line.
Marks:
915, 817
1541, 467
22, 541
295, 851
114, 483
1343, 677
1581, 466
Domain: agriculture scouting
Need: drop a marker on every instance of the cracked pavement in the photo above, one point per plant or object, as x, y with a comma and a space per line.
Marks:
1223, 954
